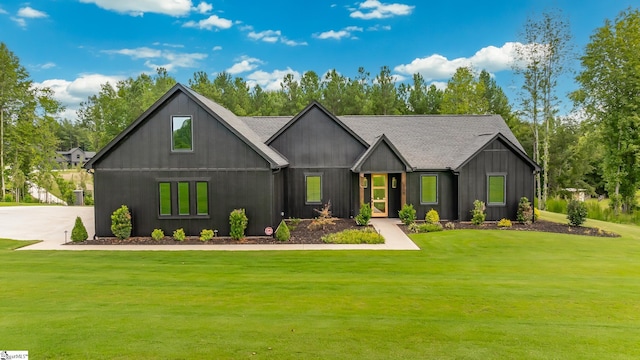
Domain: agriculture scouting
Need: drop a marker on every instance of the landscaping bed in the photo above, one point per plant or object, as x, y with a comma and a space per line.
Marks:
300, 234
540, 225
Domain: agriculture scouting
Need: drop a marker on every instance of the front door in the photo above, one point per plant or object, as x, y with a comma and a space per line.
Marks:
379, 196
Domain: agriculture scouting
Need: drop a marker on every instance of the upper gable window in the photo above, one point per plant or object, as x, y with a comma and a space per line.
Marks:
181, 133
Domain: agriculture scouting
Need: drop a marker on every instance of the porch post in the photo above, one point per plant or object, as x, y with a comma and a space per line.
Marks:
360, 182
403, 188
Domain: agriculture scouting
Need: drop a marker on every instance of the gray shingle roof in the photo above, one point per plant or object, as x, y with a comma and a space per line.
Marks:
425, 141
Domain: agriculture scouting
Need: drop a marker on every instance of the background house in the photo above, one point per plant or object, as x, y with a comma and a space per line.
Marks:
187, 162
74, 157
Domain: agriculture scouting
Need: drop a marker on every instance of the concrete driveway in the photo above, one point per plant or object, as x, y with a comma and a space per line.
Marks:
46, 223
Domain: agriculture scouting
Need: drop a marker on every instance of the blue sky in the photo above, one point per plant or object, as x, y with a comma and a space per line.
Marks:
73, 46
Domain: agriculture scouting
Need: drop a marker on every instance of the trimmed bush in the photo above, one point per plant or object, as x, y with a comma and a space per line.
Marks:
206, 234
79, 232
449, 226
121, 222
354, 236
364, 216
426, 227
504, 223
179, 234
157, 234
525, 211
407, 214
432, 217
282, 232
576, 212
238, 221
477, 214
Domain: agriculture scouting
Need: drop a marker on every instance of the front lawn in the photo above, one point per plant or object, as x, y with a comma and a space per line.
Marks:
467, 295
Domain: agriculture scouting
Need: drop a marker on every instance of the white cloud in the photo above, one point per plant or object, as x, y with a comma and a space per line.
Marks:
171, 60
378, 27
217, 48
245, 64
209, 23
203, 7
269, 36
270, 81
374, 9
3, 11
72, 93
157, 43
490, 58
20, 21
29, 12
289, 42
337, 35
45, 66
139, 7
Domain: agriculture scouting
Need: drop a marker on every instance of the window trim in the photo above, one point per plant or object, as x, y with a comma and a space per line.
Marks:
306, 189
174, 150
173, 183
179, 203
160, 199
437, 186
206, 183
504, 189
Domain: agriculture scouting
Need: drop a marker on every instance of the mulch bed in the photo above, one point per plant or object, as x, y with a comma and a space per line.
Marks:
300, 234
540, 225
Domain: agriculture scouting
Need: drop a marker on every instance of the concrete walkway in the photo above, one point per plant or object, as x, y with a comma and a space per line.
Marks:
48, 223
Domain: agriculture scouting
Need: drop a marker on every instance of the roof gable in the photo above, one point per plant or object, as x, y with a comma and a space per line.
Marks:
312, 105
221, 114
380, 151
515, 149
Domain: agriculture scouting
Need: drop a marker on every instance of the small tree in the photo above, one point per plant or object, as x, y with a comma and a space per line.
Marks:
432, 217
477, 214
407, 214
364, 216
121, 222
238, 221
576, 212
79, 232
282, 232
525, 211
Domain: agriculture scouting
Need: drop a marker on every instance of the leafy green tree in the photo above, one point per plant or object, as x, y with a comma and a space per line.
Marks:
384, 95
464, 94
334, 87
357, 94
610, 93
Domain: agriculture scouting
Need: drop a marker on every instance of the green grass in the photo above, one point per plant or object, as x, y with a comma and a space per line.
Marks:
467, 295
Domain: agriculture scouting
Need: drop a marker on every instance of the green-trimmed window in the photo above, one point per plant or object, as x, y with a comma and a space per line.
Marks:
165, 198
314, 189
183, 198
429, 189
496, 190
181, 133
202, 198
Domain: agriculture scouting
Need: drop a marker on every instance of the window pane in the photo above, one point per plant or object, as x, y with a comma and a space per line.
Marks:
183, 198
165, 198
314, 193
379, 180
496, 190
181, 133
202, 195
429, 190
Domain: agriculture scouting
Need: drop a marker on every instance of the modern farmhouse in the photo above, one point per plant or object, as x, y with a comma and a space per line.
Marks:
187, 162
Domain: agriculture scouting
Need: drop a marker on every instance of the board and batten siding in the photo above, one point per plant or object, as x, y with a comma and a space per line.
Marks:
316, 144
495, 158
446, 193
238, 177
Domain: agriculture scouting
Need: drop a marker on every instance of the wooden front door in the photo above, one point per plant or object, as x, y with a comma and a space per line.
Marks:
379, 195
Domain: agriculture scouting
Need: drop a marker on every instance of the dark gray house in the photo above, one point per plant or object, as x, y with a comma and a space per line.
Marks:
188, 162
74, 157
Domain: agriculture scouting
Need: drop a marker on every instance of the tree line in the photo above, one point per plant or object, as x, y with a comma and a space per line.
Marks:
600, 153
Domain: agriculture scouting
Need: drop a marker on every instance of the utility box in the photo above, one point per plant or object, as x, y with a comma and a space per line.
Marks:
78, 196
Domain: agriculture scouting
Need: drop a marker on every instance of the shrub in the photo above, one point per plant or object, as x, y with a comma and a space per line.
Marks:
426, 227
324, 218
413, 227
238, 221
88, 198
79, 232
206, 234
157, 234
179, 234
576, 212
364, 216
525, 211
121, 222
8, 198
477, 214
432, 217
293, 223
282, 232
407, 214
536, 214
556, 205
504, 223
449, 225
354, 236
